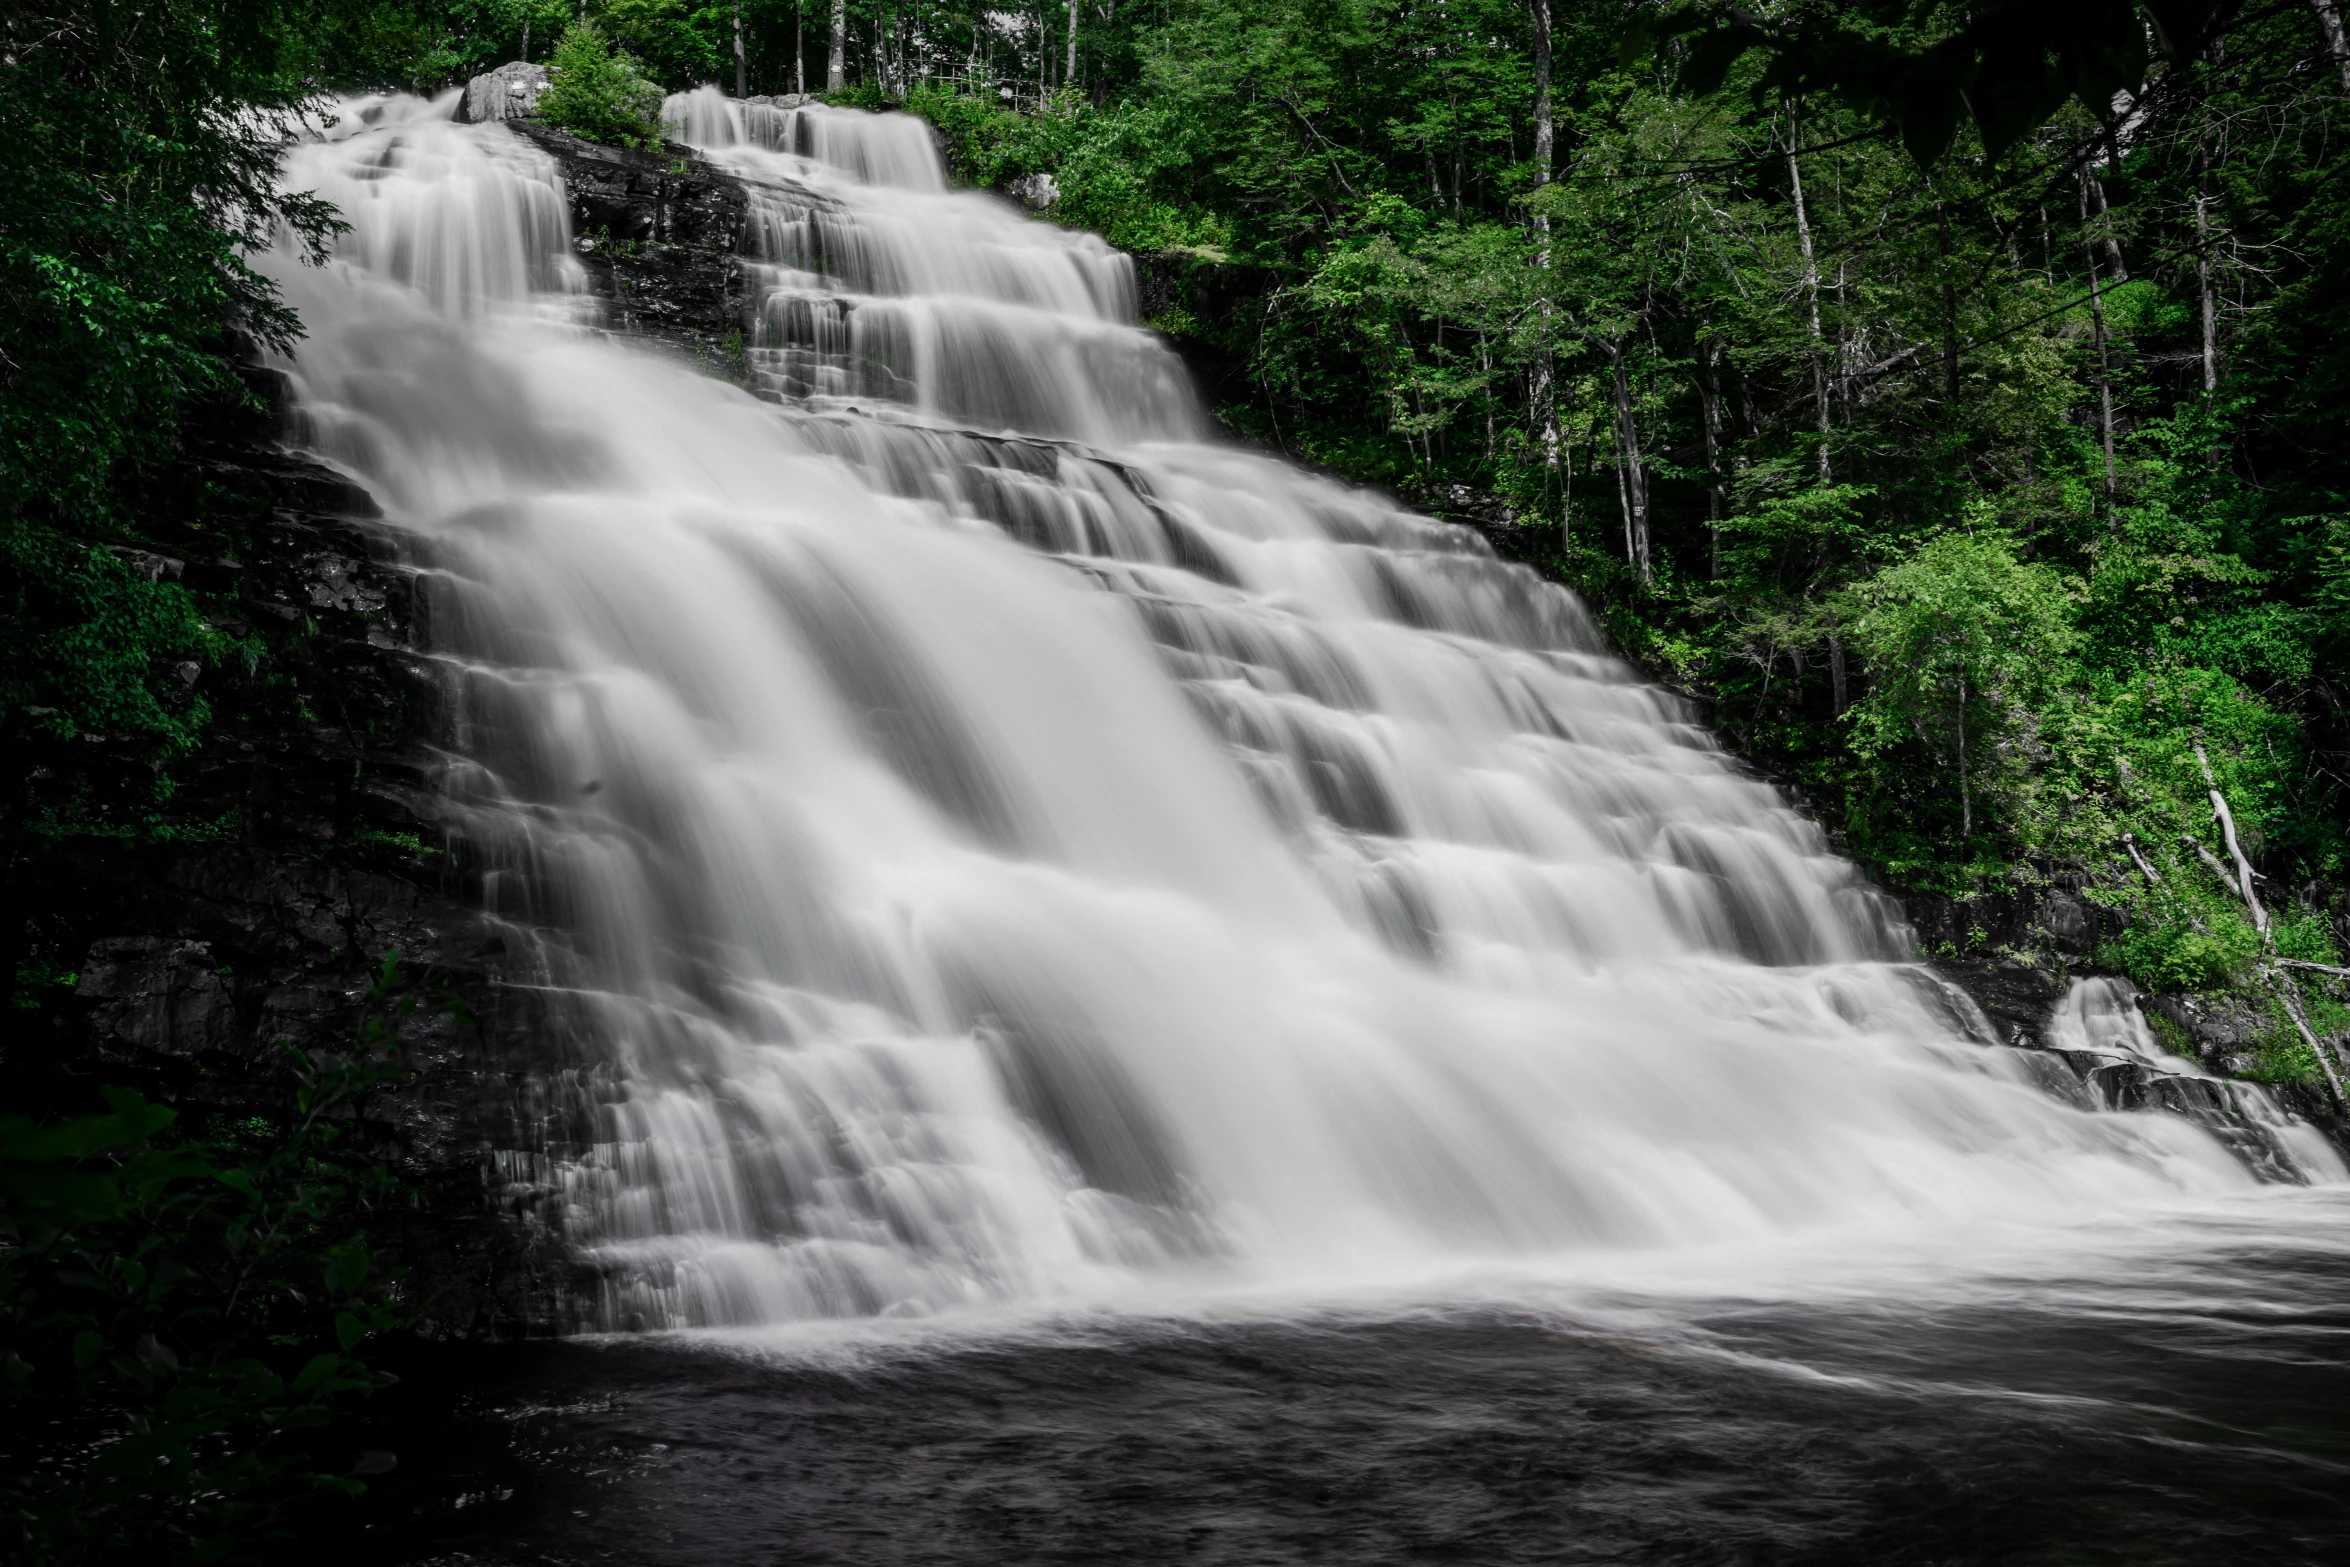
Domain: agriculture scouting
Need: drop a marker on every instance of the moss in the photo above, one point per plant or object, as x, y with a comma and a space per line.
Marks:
2170, 1035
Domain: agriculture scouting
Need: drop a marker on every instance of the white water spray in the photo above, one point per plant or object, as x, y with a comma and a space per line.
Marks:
995, 845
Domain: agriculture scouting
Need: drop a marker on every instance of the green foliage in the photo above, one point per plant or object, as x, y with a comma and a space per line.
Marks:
145, 162
2005, 68
2194, 938
1965, 644
680, 41
183, 1318
599, 93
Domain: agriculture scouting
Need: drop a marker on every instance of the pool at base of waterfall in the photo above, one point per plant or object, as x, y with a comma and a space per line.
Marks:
2185, 1400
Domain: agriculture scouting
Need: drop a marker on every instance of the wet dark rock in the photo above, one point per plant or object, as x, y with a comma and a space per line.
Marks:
2016, 996
159, 994
1199, 300
201, 937
2059, 924
2217, 1028
2015, 955
658, 234
1494, 518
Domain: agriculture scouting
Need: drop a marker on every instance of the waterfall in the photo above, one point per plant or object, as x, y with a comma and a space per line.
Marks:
991, 843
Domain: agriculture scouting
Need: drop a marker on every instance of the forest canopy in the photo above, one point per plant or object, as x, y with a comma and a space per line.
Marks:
1944, 399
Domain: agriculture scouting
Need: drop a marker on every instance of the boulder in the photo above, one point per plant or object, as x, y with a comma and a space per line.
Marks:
1036, 192
511, 92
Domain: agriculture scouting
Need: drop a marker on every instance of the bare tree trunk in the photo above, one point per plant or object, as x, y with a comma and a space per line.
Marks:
2117, 269
1545, 388
1069, 72
1811, 288
1837, 686
799, 48
2329, 24
1485, 369
2203, 269
2279, 980
526, 39
1709, 392
740, 91
1634, 480
2104, 370
1949, 302
836, 68
1966, 797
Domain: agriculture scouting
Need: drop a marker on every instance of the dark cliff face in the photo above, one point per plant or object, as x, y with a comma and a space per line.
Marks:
202, 921
659, 235
195, 940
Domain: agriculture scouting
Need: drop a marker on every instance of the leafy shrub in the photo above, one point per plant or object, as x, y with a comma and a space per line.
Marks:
1106, 163
1964, 643
182, 1318
599, 93
2180, 949
147, 159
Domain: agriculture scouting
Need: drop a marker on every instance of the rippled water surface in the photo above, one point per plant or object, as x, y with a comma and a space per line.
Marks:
2173, 1392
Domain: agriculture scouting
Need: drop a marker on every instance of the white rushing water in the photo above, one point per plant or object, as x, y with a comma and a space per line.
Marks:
992, 845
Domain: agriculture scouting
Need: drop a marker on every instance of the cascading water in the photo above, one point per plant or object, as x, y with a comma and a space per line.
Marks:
994, 844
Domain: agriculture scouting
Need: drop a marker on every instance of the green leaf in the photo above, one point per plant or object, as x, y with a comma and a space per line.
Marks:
316, 1371
349, 1330
347, 1268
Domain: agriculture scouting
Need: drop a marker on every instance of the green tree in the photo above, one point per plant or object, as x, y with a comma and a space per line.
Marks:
1965, 643
599, 93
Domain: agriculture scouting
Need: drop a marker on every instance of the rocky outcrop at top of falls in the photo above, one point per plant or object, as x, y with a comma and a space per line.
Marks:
659, 234
511, 92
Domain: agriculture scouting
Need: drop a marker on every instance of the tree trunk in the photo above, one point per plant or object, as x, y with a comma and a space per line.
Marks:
740, 90
1966, 797
2116, 269
2287, 991
1811, 289
2203, 269
1949, 308
1634, 480
1837, 685
836, 67
1709, 393
1485, 370
1069, 72
1949, 304
799, 48
1545, 388
2104, 371
2329, 26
